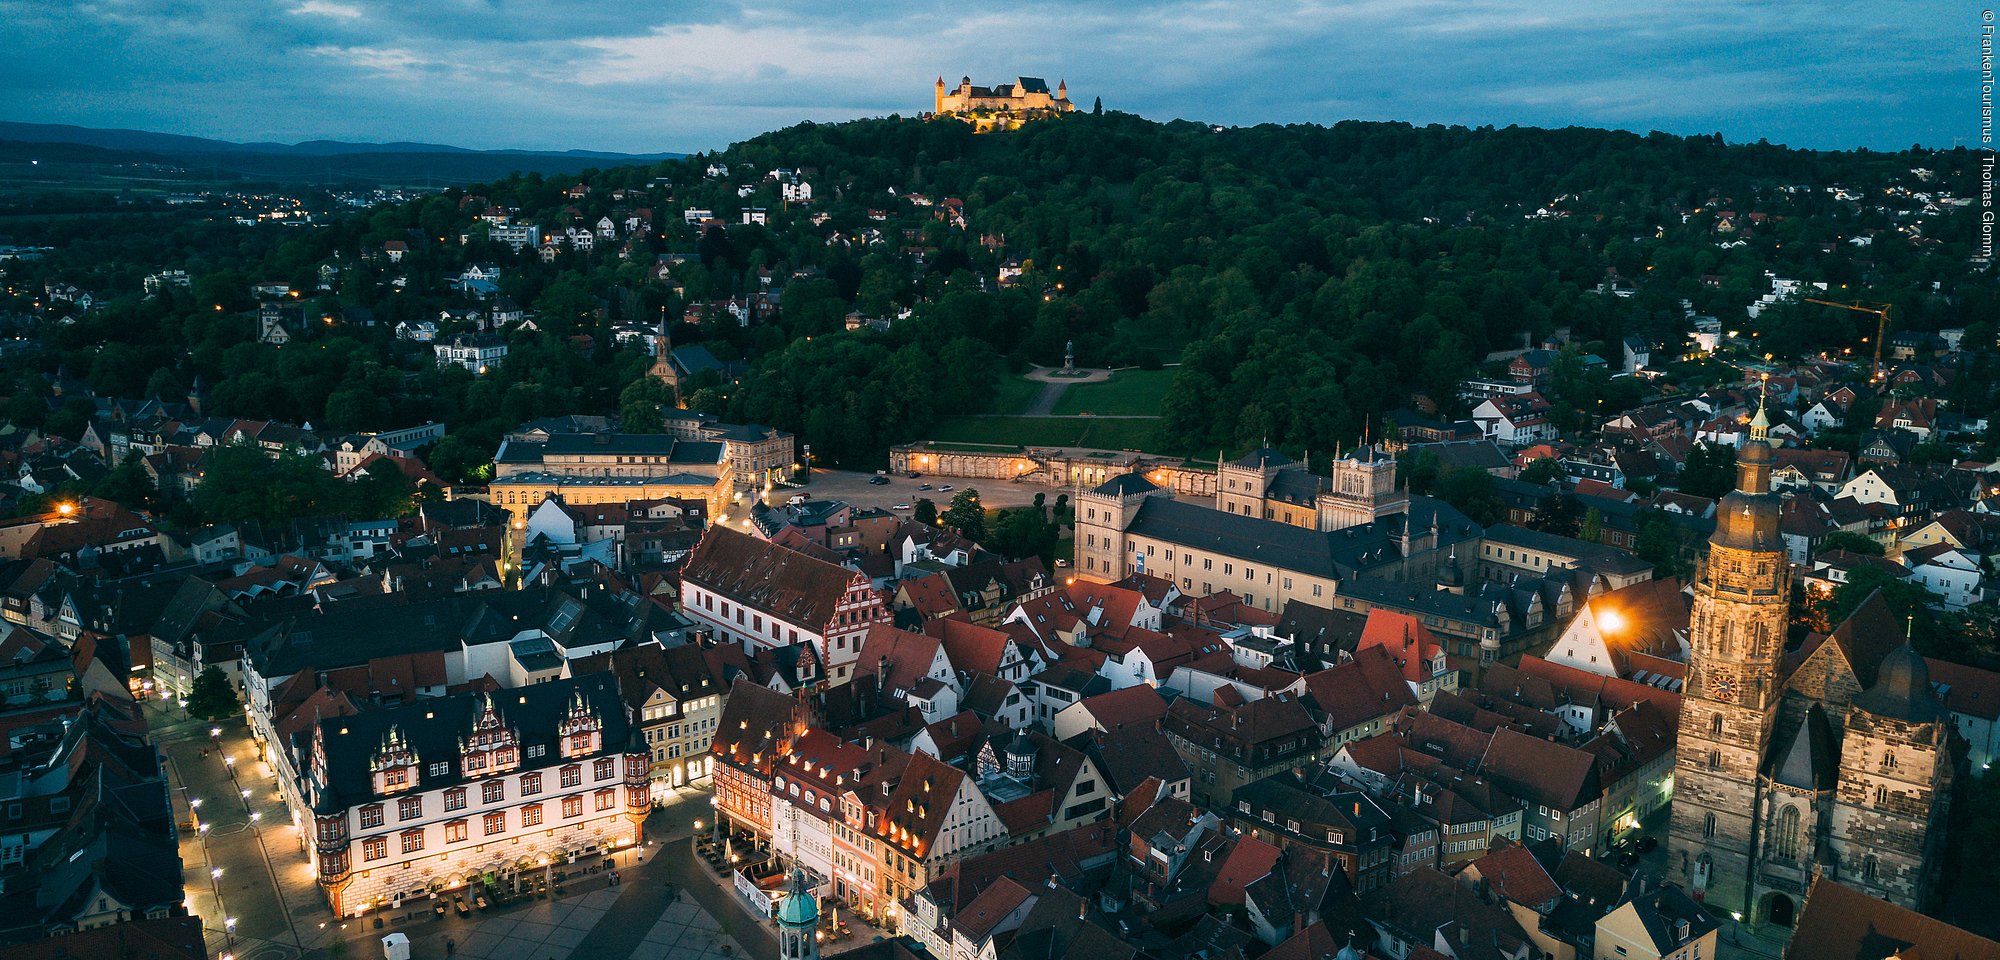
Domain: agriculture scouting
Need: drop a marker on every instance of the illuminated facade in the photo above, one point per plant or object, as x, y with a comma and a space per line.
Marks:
398, 803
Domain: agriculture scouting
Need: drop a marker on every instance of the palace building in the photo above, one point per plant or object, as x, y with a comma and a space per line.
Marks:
1278, 534
593, 468
475, 788
1834, 761
1004, 107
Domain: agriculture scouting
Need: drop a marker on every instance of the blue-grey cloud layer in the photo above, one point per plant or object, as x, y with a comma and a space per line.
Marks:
649, 75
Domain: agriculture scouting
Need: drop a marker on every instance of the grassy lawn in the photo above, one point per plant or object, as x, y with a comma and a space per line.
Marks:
1052, 432
1014, 395
1133, 393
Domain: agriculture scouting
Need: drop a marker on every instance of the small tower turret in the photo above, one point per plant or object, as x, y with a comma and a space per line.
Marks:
798, 920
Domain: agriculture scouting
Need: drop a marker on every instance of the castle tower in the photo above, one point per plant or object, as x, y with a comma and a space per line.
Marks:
1244, 484
937, 103
798, 921
1102, 515
1363, 490
1736, 635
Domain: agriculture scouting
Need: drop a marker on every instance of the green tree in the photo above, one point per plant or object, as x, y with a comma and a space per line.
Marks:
1710, 471
212, 697
966, 516
1660, 544
1593, 525
1543, 470
127, 484
640, 403
1851, 542
241, 483
1024, 532
1558, 513
1419, 472
926, 512
1470, 489
1912, 605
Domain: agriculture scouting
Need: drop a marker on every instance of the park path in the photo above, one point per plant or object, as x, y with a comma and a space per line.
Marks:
1045, 405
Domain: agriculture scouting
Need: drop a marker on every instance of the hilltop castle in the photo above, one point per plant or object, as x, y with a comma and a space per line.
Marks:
1004, 107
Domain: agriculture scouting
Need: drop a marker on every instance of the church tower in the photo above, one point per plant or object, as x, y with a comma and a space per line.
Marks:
1736, 636
798, 921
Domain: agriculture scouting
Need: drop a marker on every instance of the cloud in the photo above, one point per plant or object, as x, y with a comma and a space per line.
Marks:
327, 8
584, 73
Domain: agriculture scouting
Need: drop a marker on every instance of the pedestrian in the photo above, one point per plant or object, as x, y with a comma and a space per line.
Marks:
450, 946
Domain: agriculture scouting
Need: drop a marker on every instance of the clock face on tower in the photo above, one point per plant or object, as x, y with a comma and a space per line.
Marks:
1720, 688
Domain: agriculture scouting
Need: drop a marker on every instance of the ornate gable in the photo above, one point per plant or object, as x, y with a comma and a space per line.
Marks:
491, 747
394, 765
582, 731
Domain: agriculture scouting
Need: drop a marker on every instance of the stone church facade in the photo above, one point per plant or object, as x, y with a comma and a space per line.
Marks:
1834, 760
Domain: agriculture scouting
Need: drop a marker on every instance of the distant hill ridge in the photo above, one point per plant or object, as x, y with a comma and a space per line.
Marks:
170, 143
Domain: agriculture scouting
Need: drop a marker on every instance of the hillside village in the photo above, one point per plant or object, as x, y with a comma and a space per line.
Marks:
1403, 673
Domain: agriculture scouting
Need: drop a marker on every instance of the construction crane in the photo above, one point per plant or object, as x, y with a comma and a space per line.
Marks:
1881, 312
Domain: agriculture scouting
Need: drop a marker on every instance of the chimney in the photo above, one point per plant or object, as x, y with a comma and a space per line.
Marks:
1081, 904
1464, 935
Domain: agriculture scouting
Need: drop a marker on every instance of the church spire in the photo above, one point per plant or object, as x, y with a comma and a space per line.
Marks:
1760, 425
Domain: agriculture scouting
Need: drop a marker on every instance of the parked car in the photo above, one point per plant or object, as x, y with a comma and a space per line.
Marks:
797, 499
878, 480
945, 489
923, 486
900, 506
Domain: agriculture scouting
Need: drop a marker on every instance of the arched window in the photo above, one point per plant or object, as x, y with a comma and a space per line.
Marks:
1786, 838
1708, 825
1715, 759
1868, 867
1889, 760
1715, 725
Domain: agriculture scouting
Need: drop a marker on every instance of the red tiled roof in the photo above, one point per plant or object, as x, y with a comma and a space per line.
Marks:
1247, 861
931, 596
970, 646
1515, 874
1405, 639
1133, 705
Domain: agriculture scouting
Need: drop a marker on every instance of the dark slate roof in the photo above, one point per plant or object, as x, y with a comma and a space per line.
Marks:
1335, 554
433, 729
1484, 454
1595, 555
1263, 457
1125, 485
1810, 761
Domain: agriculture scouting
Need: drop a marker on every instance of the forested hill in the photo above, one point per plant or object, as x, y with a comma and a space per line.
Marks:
1308, 276
1305, 279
